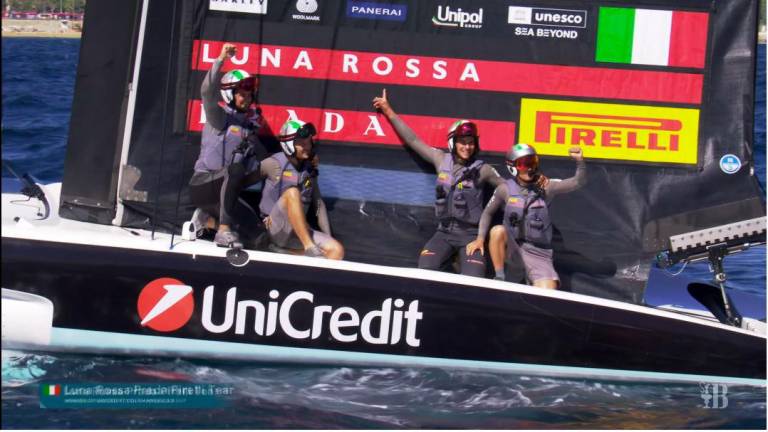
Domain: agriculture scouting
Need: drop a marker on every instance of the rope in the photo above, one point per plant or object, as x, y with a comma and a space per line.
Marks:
164, 126
182, 160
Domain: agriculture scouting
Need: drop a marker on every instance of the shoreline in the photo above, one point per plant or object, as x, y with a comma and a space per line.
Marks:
42, 28
50, 35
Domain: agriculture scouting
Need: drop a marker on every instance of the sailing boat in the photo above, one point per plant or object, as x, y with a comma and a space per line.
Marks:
108, 271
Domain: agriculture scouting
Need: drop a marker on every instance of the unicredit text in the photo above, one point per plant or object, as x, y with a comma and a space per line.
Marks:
388, 325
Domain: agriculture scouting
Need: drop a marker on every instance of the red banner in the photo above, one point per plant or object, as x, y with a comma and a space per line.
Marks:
371, 128
444, 72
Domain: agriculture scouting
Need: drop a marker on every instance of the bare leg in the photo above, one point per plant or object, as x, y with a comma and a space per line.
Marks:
333, 250
497, 244
291, 202
546, 283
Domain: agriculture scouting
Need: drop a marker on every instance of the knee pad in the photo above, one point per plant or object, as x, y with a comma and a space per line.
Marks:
429, 262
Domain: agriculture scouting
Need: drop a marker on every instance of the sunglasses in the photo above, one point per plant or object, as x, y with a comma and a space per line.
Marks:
526, 163
306, 131
248, 84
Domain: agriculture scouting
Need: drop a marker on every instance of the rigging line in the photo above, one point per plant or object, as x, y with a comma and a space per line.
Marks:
685, 263
164, 127
21, 201
325, 84
185, 146
334, 41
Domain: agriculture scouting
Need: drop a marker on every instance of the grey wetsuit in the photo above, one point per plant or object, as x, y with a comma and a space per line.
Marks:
280, 175
528, 223
216, 184
459, 192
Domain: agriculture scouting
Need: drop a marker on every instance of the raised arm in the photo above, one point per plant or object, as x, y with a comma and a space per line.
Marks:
430, 154
571, 184
498, 199
209, 90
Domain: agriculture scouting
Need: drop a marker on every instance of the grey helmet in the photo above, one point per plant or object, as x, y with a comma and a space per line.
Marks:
519, 151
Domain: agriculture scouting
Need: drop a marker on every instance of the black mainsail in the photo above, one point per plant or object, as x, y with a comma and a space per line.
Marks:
668, 139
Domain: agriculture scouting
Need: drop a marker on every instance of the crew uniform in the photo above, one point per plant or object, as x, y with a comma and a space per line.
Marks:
458, 204
280, 174
214, 186
527, 221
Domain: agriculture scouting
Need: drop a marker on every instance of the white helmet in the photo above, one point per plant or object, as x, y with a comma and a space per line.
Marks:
291, 130
234, 79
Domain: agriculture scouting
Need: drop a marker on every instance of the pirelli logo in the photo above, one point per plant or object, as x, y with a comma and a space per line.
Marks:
611, 131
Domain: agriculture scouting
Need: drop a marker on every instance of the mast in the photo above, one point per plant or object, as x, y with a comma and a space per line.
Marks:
132, 92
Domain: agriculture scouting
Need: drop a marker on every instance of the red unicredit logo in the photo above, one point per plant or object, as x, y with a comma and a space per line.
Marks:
165, 304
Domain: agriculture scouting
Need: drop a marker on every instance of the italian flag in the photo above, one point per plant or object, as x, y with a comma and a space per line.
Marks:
651, 37
52, 390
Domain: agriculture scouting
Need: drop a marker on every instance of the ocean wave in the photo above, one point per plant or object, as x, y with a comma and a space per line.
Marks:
20, 368
322, 397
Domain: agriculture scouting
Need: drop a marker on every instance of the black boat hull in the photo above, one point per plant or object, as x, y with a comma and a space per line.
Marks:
96, 288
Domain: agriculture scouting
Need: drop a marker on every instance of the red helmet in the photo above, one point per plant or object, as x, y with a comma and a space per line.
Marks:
463, 128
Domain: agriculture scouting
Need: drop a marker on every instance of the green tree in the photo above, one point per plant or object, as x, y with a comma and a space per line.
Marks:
45, 5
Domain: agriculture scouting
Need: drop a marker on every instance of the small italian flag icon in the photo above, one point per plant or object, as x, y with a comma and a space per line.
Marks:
652, 37
52, 390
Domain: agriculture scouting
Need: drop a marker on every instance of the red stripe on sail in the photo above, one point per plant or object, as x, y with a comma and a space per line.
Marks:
368, 127
688, 41
443, 72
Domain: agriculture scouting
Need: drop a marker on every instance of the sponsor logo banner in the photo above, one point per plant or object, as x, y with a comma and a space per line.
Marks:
377, 11
165, 304
244, 6
306, 11
446, 16
368, 127
730, 164
611, 131
547, 22
391, 322
445, 72
547, 17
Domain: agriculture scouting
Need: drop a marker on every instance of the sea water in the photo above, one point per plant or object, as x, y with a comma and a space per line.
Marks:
38, 80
